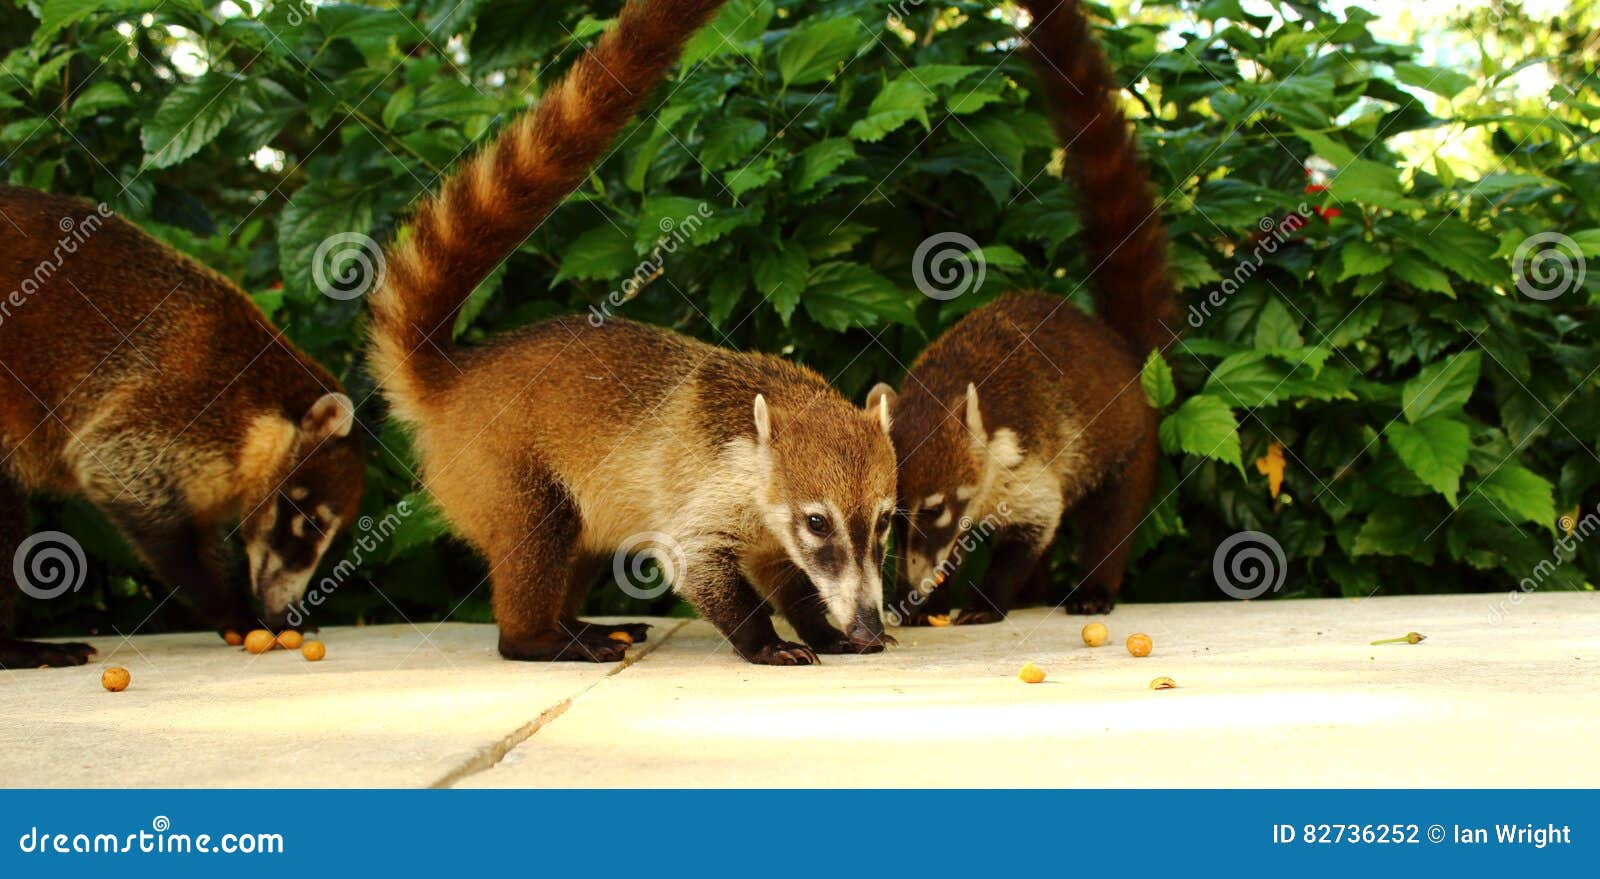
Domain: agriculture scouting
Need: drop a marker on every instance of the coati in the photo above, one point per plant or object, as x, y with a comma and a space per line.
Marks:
551, 448
1028, 408
143, 381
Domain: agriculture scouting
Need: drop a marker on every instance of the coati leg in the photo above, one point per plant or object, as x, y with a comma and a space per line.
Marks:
535, 572
15, 653
1109, 515
192, 560
802, 606
1017, 553
714, 584
584, 577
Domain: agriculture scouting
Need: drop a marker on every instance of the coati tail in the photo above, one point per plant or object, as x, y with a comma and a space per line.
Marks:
1124, 236
485, 210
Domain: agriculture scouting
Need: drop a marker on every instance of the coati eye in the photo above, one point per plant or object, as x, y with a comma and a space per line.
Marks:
933, 512
818, 525
883, 525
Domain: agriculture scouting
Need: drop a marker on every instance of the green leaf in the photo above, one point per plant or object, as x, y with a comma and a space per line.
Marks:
1420, 274
730, 141
1441, 388
903, 99
1394, 529
1521, 494
1435, 449
1204, 426
318, 211
1366, 182
189, 117
364, 23
1156, 379
811, 53
1358, 258
737, 28
821, 159
1276, 328
780, 275
843, 295
1441, 81
603, 253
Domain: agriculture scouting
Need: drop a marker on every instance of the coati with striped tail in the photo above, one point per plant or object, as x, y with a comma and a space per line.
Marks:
552, 448
1028, 409
137, 378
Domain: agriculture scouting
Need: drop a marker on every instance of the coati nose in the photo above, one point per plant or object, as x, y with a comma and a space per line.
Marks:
867, 630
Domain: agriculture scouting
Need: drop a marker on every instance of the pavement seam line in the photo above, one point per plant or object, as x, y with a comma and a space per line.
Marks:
489, 757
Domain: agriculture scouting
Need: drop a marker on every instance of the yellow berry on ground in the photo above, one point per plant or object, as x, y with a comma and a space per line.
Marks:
1031, 674
939, 620
232, 638
115, 679
1163, 683
289, 639
624, 637
259, 641
1095, 634
1139, 644
313, 651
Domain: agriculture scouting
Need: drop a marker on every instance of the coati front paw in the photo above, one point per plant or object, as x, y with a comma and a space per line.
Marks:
1092, 602
562, 647
38, 654
842, 644
971, 617
782, 653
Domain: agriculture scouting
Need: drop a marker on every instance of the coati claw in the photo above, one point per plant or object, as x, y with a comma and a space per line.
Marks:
843, 645
39, 654
978, 617
784, 653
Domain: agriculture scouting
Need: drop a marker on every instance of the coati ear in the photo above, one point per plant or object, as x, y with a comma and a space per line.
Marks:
879, 401
974, 417
334, 415
763, 421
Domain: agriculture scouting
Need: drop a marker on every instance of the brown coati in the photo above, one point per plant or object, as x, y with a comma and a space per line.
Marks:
1028, 408
554, 448
143, 381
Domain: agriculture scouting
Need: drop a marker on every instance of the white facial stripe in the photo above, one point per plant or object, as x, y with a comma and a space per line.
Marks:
945, 518
933, 500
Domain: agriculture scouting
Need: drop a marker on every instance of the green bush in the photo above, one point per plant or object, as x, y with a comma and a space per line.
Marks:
1433, 421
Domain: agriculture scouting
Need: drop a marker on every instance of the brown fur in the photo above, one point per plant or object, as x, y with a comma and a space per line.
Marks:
1029, 407
135, 377
554, 447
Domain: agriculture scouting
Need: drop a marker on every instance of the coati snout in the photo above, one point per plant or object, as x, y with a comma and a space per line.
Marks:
829, 499
319, 493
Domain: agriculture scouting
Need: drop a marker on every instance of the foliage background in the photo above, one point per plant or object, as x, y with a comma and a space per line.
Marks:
1434, 423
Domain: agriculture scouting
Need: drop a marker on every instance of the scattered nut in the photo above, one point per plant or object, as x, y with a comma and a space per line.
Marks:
939, 621
1139, 644
232, 638
289, 639
115, 679
313, 651
1095, 634
624, 637
259, 641
1163, 683
1031, 674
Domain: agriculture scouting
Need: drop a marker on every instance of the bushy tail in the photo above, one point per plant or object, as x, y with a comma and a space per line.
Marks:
485, 210
1125, 239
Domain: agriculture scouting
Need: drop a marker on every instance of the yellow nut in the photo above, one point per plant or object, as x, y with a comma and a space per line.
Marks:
115, 679
1095, 634
313, 651
1139, 644
232, 638
624, 637
289, 639
1031, 674
939, 621
1163, 683
259, 641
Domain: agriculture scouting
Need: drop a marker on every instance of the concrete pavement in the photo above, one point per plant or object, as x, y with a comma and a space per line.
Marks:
1274, 693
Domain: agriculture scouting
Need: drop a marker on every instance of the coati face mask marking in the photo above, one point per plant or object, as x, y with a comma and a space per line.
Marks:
829, 499
287, 535
948, 473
